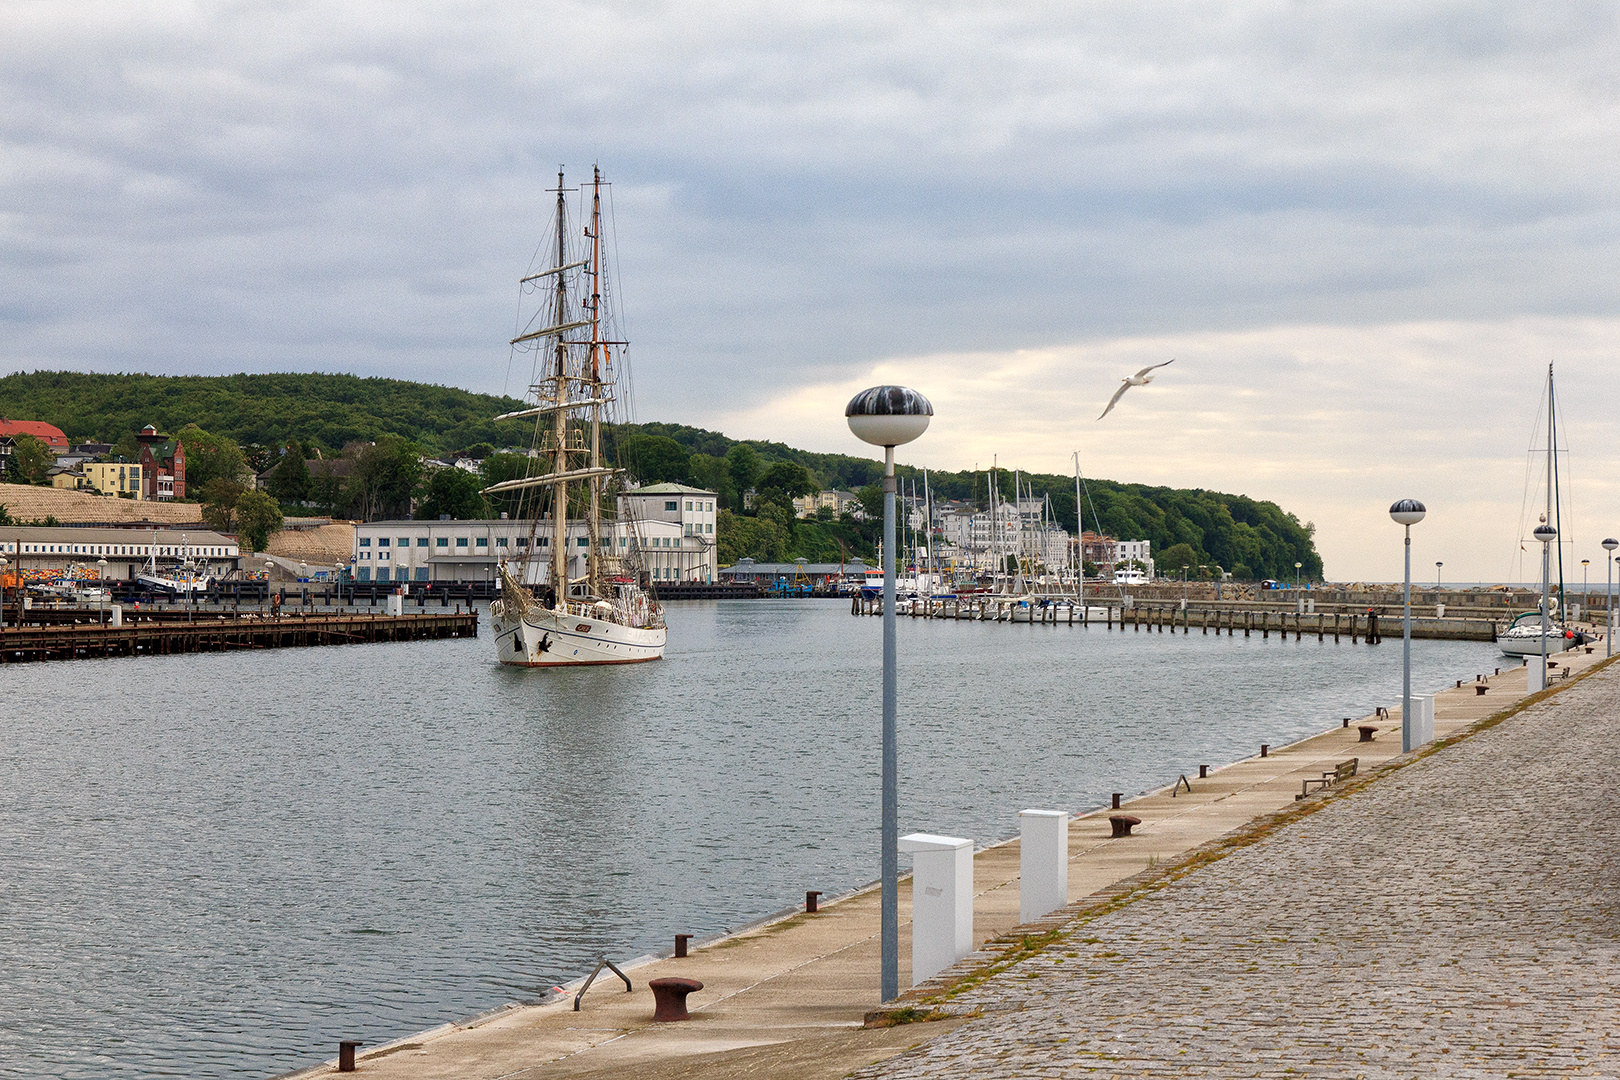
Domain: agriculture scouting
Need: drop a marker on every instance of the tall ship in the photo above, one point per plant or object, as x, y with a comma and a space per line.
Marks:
574, 593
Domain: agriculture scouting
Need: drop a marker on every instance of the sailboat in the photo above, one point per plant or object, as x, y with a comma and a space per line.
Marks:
1538, 633
184, 579
574, 594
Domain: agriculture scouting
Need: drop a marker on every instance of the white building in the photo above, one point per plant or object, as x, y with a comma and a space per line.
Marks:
31, 548
667, 527
1139, 550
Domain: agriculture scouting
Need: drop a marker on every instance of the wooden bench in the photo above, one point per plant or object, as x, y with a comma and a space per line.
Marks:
1344, 770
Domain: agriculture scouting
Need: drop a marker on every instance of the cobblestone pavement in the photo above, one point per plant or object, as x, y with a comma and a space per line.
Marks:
1458, 918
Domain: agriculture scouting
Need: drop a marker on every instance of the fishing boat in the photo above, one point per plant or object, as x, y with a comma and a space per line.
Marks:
574, 594
184, 579
1540, 632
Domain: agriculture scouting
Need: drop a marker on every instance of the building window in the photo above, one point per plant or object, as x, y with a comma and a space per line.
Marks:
421, 541
545, 541
441, 542
584, 541
365, 573
709, 507
689, 504
382, 573
405, 541
688, 528
672, 505
523, 541
708, 528
624, 541
365, 541
382, 541
421, 573
483, 542
461, 541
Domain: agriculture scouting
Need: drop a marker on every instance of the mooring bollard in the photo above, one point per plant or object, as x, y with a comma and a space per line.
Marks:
1043, 863
1265, 749
669, 998
1117, 796
680, 944
346, 1054
1203, 772
941, 901
810, 899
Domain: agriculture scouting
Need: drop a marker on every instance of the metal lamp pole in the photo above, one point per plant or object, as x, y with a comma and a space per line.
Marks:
1585, 603
1437, 567
1546, 534
1608, 597
1407, 512
889, 416
3, 565
101, 580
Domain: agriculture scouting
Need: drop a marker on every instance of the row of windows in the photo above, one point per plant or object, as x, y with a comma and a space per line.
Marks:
522, 541
113, 549
695, 505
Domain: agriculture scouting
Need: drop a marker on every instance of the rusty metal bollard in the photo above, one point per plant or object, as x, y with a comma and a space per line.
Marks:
1265, 749
680, 944
346, 1054
1117, 796
810, 898
669, 998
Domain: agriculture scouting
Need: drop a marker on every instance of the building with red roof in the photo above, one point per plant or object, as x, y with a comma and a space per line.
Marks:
48, 434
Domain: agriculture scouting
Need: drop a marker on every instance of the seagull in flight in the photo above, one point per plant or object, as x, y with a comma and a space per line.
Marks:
1141, 378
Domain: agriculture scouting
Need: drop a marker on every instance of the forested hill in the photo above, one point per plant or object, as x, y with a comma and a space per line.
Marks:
1250, 537
329, 411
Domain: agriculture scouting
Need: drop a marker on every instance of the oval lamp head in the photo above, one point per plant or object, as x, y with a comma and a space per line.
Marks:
1545, 533
1407, 512
1610, 544
888, 415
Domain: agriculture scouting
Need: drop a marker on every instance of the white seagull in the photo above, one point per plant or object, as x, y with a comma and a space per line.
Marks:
1141, 378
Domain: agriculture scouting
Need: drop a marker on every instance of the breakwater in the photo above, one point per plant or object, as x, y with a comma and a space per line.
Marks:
1368, 626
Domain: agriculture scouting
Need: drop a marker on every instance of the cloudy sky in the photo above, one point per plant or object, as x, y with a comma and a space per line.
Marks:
1363, 230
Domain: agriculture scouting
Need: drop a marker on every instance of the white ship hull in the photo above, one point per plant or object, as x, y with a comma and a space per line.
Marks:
546, 638
1519, 643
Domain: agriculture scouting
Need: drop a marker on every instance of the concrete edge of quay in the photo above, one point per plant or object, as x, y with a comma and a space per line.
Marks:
931, 999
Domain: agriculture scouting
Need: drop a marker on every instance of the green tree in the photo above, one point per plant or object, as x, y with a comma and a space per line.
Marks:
257, 516
455, 492
872, 502
32, 459
654, 459
210, 457
742, 463
1170, 561
290, 480
5, 516
384, 481
219, 498
708, 471
760, 539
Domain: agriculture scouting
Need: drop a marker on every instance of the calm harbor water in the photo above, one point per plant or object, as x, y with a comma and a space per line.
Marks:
219, 865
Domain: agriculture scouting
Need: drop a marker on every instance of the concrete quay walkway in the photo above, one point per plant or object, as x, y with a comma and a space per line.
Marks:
1458, 917
789, 999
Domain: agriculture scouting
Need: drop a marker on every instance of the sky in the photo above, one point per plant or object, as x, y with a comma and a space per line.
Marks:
1362, 230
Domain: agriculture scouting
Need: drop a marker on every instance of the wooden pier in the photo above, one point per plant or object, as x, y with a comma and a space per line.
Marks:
1368, 627
144, 635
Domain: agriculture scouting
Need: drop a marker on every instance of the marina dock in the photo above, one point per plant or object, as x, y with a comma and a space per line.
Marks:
796, 996
90, 633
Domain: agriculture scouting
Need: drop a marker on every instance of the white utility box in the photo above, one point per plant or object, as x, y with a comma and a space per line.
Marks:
941, 901
1043, 863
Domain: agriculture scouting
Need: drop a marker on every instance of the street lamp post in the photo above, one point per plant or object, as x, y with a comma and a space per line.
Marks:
1546, 534
1437, 567
889, 416
1585, 603
101, 580
1183, 588
1407, 512
3, 565
1608, 597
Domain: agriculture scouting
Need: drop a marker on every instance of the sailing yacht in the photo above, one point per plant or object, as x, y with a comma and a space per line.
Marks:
584, 604
1538, 633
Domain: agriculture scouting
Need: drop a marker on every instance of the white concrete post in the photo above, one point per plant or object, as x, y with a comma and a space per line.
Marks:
117, 616
1536, 674
1422, 719
1439, 611
1043, 863
396, 604
941, 901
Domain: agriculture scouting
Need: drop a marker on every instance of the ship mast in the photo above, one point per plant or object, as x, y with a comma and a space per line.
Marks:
559, 391
593, 559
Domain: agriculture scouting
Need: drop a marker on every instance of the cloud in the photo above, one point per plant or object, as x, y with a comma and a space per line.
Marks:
1334, 423
805, 192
